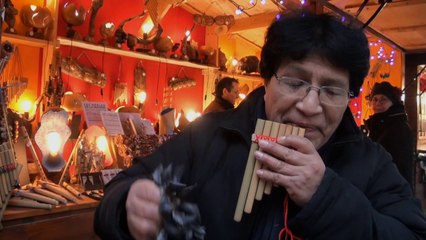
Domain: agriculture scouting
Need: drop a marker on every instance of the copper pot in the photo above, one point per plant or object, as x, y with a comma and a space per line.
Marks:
163, 44
35, 16
72, 15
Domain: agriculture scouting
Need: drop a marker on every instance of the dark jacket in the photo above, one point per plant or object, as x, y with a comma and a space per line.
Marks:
218, 105
392, 131
361, 196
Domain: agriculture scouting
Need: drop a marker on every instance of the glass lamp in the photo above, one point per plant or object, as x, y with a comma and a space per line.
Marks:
51, 138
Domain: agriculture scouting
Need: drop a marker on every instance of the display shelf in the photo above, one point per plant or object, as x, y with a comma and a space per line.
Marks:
24, 40
14, 213
128, 53
249, 78
70, 221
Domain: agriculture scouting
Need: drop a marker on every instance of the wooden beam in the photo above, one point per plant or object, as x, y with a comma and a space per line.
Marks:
354, 7
340, 12
249, 41
255, 21
404, 29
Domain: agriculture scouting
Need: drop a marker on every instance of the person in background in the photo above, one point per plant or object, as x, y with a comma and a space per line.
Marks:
226, 93
331, 183
389, 126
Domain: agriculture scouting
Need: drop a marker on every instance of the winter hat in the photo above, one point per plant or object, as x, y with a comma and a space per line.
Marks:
385, 88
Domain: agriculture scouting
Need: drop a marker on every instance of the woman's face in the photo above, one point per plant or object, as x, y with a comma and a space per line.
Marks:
380, 103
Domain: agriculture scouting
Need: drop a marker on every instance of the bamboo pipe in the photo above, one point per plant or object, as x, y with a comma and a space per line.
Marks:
70, 158
261, 185
37, 197
247, 174
255, 188
50, 194
23, 202
33, 153
254, 178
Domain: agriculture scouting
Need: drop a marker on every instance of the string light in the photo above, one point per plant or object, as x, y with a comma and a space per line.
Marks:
381, 53
238, 11
242, 8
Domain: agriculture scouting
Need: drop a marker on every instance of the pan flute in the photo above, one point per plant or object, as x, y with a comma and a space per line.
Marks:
9, 169
252, 187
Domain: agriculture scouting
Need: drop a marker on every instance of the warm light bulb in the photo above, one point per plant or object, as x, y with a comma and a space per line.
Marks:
102, 144
242, 96
25, 105
238, 11
53, 142
33, 7
147, 26
192, 115
141, 96
178, 119
188, 35
234, 62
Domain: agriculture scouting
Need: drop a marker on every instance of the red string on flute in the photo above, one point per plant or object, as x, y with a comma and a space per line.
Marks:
257, 137
286, 231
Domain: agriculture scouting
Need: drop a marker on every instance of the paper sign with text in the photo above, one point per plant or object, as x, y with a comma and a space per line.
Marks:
112, 123
143, 126
92, 113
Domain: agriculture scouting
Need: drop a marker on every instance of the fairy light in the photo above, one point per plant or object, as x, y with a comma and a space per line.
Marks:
242, 8
381, 54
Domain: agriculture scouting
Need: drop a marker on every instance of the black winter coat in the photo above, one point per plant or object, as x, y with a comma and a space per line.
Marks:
218, 105
391, 130
360, 197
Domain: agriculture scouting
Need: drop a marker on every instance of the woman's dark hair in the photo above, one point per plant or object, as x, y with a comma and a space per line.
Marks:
385, 88
298, 36
225, 82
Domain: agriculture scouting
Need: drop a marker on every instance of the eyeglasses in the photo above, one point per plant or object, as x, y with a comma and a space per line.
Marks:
332, 96
379, 100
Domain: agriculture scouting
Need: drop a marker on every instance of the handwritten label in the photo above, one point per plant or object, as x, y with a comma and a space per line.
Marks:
143, 126
92, 113
112, 123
